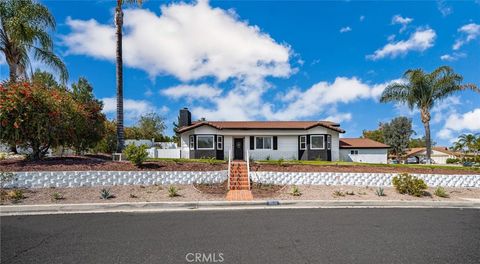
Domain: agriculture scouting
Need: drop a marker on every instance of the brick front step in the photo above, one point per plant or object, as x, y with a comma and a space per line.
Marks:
239, 195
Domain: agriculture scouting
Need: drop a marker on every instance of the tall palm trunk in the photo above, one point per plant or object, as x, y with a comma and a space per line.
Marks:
425, 113
12, 65
119, 71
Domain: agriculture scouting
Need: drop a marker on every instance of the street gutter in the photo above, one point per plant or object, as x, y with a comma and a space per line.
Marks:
138, 207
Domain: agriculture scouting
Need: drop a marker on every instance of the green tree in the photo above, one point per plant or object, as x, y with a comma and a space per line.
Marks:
108, 143
421, 90
397, 134
119, 70
89, 125
376, 134
419, 142
24, 30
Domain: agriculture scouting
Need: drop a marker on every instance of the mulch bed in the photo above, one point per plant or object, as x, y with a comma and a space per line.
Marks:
356, 168
102, 163
215, 189
265, 191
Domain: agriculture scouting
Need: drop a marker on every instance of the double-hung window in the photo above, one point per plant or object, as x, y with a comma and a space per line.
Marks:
354, 152
192, 142
219, 142
263, 142
205, 142
317, 142
303, 142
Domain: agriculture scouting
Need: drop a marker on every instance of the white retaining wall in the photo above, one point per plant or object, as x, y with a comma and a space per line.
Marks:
360, 179
99, 178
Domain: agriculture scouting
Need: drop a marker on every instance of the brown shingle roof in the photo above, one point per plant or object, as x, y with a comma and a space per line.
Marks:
361, 143
297, 125
445, 150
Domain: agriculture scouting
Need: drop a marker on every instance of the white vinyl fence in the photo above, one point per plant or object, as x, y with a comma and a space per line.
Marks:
164, 153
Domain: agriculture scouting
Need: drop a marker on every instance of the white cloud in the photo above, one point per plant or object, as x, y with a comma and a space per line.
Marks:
188, 41
133, 109
466, 122
296, 104
192, 92
345, 29
362, 18
339, 117
420, 40
404, 21
452, 57
470, 32
444, 8
444, 108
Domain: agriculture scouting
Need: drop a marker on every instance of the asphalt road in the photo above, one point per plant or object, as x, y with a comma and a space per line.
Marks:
251, 236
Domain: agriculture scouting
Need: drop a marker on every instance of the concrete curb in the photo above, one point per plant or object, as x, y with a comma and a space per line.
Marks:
10, 210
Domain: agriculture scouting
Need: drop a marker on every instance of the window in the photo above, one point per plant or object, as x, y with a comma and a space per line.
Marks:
219, 142
353, 152
317, 142
303, 142
205, 142
263, 142
329, 141
192, 142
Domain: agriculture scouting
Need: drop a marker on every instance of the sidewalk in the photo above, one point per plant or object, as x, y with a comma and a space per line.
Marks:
139, 207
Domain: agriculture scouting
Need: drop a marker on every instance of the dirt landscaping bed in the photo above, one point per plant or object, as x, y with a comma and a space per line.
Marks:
103, 163
360, 168
210, 192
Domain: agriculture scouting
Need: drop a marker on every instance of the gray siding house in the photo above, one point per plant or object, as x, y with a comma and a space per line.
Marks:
289, 140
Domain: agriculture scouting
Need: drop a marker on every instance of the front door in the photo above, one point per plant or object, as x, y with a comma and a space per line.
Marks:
238, 148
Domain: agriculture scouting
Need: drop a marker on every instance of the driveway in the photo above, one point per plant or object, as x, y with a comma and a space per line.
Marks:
246, 236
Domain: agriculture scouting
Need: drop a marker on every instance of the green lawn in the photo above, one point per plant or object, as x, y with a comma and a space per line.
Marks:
210, 161
345, 163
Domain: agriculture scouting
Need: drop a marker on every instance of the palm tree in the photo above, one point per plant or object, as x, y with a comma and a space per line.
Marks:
24, 27
468, 140
119, 71
421, 90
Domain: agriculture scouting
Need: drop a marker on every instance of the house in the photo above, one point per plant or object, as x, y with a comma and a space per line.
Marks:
259, 140
363, 150
439, 154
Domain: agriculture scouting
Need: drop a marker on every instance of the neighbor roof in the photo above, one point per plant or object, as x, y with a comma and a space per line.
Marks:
297, 125
361, 143
445, 150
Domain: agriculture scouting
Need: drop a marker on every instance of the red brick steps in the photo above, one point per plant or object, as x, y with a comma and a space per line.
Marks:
239, 187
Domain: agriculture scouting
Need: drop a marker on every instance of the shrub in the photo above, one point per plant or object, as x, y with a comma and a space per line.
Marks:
173, 191
407, 184
105, 194
136, 155
349, 193
338, 193
380, 191
295, 191
268, 157
452, 160
15, 195
441, 192
133, 196
57, 196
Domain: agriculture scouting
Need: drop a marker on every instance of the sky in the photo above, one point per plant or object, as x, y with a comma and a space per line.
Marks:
274, 60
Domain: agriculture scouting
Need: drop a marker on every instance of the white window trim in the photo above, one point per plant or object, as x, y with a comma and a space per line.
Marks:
213, 140
219, 142
191, 142
323, 142
305, 142
271, 142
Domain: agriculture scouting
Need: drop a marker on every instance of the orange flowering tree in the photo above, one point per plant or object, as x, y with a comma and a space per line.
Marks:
37, 117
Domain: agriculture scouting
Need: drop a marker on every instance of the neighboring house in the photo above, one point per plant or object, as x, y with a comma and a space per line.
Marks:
439, 154
363, 150
289, 140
